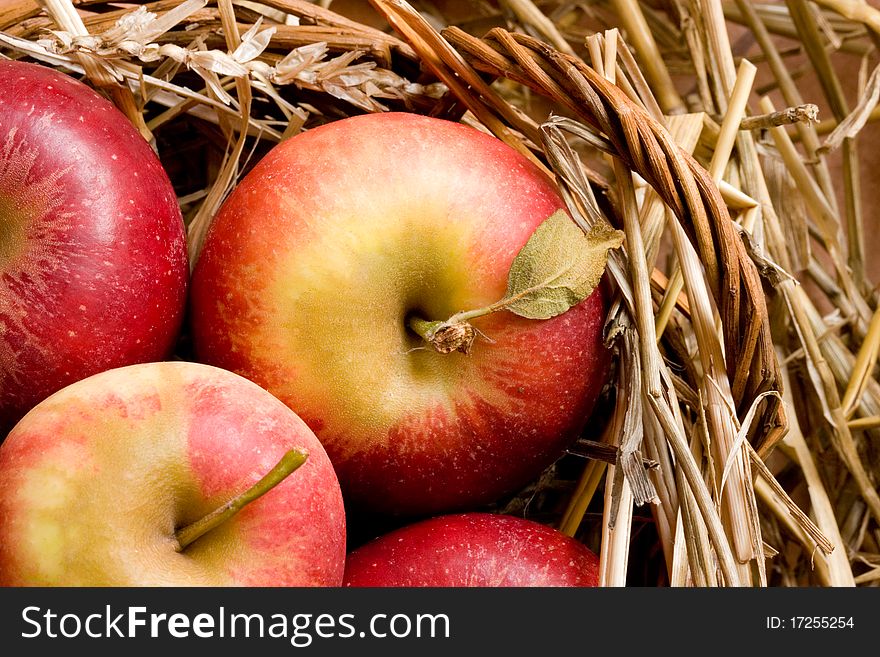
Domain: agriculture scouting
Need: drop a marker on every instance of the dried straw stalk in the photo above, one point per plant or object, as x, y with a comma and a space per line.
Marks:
722, 353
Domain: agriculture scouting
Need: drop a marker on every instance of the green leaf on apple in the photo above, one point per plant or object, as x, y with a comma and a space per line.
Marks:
558, 267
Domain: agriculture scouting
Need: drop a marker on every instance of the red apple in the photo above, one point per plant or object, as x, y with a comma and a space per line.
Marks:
314, 266
93, 265
97, 480
473, 549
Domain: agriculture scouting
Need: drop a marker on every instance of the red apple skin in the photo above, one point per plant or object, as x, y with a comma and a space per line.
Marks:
312, 266
93, 264
472, 550
95, 480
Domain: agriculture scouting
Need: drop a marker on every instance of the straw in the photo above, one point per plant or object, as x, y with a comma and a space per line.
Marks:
743, 410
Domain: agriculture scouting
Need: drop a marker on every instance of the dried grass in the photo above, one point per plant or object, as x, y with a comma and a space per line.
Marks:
744, 412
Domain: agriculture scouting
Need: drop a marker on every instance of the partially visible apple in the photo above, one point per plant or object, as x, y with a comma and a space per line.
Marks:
316, 267
473, 549
98, 480
93, 265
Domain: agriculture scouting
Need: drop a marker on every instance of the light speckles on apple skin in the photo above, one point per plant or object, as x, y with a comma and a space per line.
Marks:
81, 244
472, 550
255, 430
511, 422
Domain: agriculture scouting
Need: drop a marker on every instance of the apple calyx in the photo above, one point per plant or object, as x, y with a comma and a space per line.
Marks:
558, 267
187, 535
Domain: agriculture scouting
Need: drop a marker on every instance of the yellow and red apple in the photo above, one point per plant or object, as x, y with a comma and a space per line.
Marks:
98, 482
93, 264
318, 261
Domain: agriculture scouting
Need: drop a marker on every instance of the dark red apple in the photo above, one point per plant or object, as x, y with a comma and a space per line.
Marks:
473, 549
93, 266
316, 266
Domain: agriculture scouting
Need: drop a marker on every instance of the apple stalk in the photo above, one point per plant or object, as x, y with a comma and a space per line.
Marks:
292, 460
445, 337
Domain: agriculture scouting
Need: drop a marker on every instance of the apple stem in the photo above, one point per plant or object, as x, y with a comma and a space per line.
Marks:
423, 327
456, 333
191, 533
467, 315
444, 337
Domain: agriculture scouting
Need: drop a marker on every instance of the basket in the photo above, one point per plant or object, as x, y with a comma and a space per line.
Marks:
739, 439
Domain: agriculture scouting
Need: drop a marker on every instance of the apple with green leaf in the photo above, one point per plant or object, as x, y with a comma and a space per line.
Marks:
474, 550
167, 474
414, 290
93, 259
